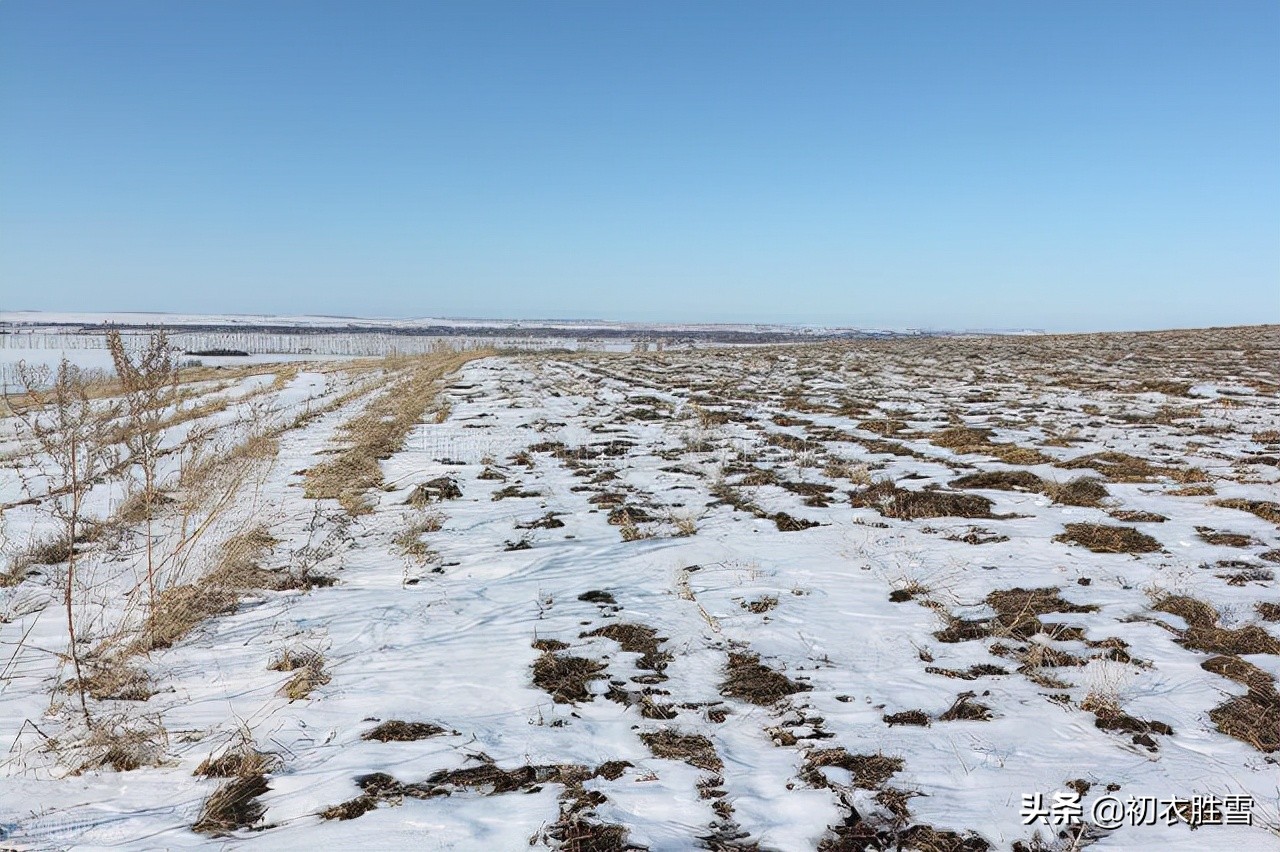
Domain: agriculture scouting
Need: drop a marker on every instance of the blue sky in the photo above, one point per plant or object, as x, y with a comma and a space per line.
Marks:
1066, 166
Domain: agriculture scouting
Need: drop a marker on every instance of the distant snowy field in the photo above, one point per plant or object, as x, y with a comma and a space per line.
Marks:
882, 595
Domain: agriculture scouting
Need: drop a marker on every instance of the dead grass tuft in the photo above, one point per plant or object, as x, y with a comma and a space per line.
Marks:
747, 679
402, 732
693, 749
1204, 634
1115, 466
894, 502
232, 806
869, 771
1081, 491
1001, 480
1101, 538
565, 677
1264, 509
637, 639
434, 491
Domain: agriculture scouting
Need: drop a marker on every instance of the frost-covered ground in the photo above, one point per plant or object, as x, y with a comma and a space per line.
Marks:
836, 597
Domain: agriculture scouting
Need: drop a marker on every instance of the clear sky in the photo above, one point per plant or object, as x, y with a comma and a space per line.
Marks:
1069, 165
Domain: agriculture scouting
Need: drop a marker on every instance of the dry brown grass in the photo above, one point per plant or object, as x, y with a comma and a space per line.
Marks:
232, 806
1265, 509
1102, 538
1081, 491
565, 677
380, 430
1203, 633
894, 502
869, 771
401, 732
747, 679
308, 672
693, 749
1001, 480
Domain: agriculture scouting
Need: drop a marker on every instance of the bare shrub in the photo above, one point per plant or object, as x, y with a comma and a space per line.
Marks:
150, 385
64, 425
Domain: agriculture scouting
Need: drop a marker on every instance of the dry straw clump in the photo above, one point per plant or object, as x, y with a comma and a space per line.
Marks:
1102, 538
379, 431
694, 749
232, 806
397, 731
308, 672
1265, 509
894, 502
1203, 633
747, 679
178, 609
565, 677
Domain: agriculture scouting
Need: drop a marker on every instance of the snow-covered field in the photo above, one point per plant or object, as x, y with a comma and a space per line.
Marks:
864, 596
